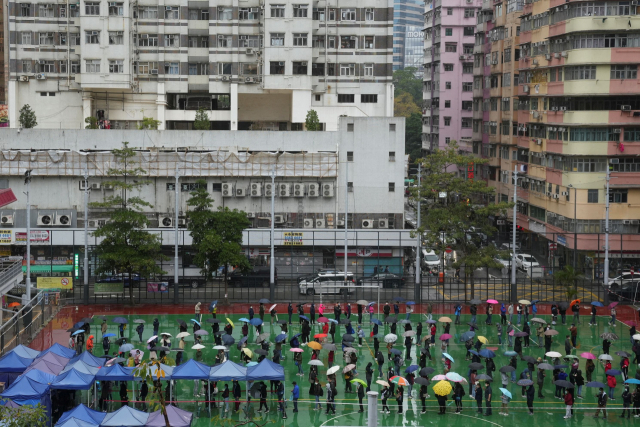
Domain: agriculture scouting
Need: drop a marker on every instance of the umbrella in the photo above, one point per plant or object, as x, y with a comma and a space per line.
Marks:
613, 372
348, 368
362, 302
107, 335
412, 368
486, 353
467, 336
195, 321
315, 345
230, 322
529, 359
348, 338
506, 392
474, 352
410, 303
473, 325
553, 354
492, 301
377, 322
282, 321
391, 338
262, 337
448, 356
439, 377
410, 334
551, 332
482, 339
613, 304
605, 357
546, 366
510, 353
622, 354
125, 348
183, 335
256, 321
329, 347
219, 347
476, 366
197, 347
561, 366
636, 337
391, 319
306, 318
296, 350
121, 341
456, 378
116, 360
301, 304
320, 336
399, 380
443, 337
507, 369
120, 320
563, 305
181, 322
610, 336
166, 333
244, 319
213, 304
570, 356
322, 319
227, 339
396, 351
316, 362
73, 329
444, 319
430, 321
597, 304
421, 381
426, 371
241, 342
152, 338
199, 332
139, 321
281, 338
161, 348
404, 321
525, 302
442, 388
261, 352
539, 320
264, 301
272, 307
213, 320
381, 382
332, 370
521, 334
632, 381
14, 304
595, 384
475, 301
78, 332
358, 380
574, 302
524, 383
484, 377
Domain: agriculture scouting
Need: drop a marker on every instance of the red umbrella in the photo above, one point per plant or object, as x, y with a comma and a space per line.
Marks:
320, 336
14, 304
574, 302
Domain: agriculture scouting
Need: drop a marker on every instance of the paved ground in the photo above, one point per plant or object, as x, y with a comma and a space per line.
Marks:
548, 411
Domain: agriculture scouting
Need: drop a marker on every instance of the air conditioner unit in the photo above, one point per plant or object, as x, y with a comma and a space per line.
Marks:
551, 214
41, 76
563, 108
554, 108
463, 57
626, 222
251, 215
555, 196
634, 2
154, 71
256, 189
539, 142
383, 223
227, 189
313, 189
298, 190
617, 130
560, 218
107, 187
268, 190
534, 62
564, 54
341, 223
24, 78
250, 51
278, 219
319, 223
93, 223
182, 222
548, 194
165, 222
547, 57
284, 190
6, 219
625, 107
63, 220
565, 193
95, 186
536, 114
494, 62
249, 80
45, 220
308, 223
327, 190
367, 223
240, 192
556, 55
225, 78
525, 89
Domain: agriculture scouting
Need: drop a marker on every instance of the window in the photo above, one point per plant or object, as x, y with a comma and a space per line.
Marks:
469, 13
198, 41
45, 11
348, 14
368, 70
225, 40
392, 127
277, 11
63, 66
198, 69
47, 67
581, 72
447, 85
92, 66
250, 41
332, 42
592, 196
172, 12
349, 156
318, 97
466, 122
225, 13
277, 39
368, 42
346, 98
74, 39
392, 187
447, 104
469, 31
449, 11
116, 9
299, 39
92, 8
300, 10
621, 72
369, 99
369, 14
250, 68
448, 67
331, 69
300, 68
203, 14
172, 68
506, 80
75, 67
92, 37
171, 40
147, 40
145, 68
116, 37
447, 121
317, 69
25, 9
348, 70
148, 12
448, 32
26, 66
116, 66
467, 105
450, 47
224, 68
276, 67
348, 42
618, 196
467, 86
319, 14
26, 37
46, 38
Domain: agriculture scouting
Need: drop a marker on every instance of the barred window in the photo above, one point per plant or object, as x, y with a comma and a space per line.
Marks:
300, 10
621, 72
581, 72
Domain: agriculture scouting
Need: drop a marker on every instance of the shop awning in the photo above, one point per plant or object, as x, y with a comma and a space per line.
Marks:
68, 268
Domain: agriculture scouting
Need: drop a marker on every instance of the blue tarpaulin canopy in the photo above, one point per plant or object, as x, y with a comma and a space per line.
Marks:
73, 380
115, 373
10, 404
45, 366
24, 351
25, 388
177, 418
85, 414
191, 370
81, 367
11, 362
228, 371
125, 417
74, 422
39, 376
89, 359
265, 370
60, 351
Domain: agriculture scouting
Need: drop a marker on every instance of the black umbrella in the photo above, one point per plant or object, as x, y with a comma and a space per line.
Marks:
484, 377
102, 318
426, 371
475, 301
476, 366
302, 303
396, 351
348, 338
399, 299
609, 336
391, 319
264, 301
563, 383
329, 347
524, 383
404, 321
261, 351
563, 305
560, 366
421, 381
424, 350
529, 359
545, 366
282, 321
121, 341
473, 325
177, 349
595, 384
344, 321
228, 339
622, 354
72, 330
120, 320
219, 333
212, 321
507, 369
160, 348
86, 320
181, 322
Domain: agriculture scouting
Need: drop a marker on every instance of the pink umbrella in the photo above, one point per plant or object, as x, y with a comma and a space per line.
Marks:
296, 350
445, 337
492, 301
613, 304
588, 356
322, 319
512, 333
439, 378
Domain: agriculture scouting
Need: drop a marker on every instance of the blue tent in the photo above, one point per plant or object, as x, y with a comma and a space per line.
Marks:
115, 373
60, 351
11, 362
83, 413
265, 370
73, 380
228, 371
25, 388
39, 376
191, 370
45, 366
89, 359
81, 367
74, 422
24, 351
125, 417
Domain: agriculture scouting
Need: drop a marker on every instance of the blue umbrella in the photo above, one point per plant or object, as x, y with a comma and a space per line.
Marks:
333, 321
409, 303
195, 321
305, 318
281, 337
251, 364
510, 353
81, 331
448, 356
244, 319
213, 304
396, 351
78, 325
256, 321
431, 321
125, 348
376, 321
506, 392
613, 372
120, 320
227, 339
242, 340
632, 381
597, 303
370, 304
487, 353
595, 384
524, 383
108, 335
297, 335
474, 352
467, 336
412, 368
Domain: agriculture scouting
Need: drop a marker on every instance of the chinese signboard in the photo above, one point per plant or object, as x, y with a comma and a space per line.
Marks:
293, 238
38, 237
54, 283
5, 237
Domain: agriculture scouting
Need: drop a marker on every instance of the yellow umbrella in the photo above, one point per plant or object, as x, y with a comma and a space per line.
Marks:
231, 323
482, 339
445, 320
525, 302
443, 388
247, 352
315, 345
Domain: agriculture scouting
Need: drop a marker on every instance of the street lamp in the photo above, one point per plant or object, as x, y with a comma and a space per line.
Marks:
575, 224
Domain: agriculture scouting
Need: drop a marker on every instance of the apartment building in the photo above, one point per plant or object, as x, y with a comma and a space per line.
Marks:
450, 27
568, 111
252, 65
407, 32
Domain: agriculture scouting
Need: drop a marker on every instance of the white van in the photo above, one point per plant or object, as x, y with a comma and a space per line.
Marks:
328, 283
430, 259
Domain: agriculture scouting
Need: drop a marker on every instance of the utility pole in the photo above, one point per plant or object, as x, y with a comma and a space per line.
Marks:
417, 292
176, 291
86, 237
606, 233
346, 219
513, 237
27, 181
272, 264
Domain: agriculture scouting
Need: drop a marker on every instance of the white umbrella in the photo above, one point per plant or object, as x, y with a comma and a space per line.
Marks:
605, 357
391, 338
333, 370
217, 347
636, 337
198, 347
316, 362
166, 333
553, 354
152, 338
182, 335
272, 307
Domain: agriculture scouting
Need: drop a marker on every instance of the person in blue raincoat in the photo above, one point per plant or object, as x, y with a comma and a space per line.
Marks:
457, 313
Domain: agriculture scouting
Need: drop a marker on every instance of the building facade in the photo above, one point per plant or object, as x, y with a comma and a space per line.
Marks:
407, 21
253, 65
448, 72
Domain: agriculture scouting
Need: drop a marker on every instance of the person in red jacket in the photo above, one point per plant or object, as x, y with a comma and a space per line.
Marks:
624, 367
330, 359
90, 344
325, 328
611, 382
568, 401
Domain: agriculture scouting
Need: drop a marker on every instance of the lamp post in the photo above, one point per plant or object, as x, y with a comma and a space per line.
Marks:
176, 291
27, 181
417, 293
575, 225
86, 237
272, 264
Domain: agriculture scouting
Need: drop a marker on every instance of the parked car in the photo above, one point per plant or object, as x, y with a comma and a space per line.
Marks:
625, 279
121, 278
525, 261
629, 291
328, 283
476, 235
507, 247
383, 280
258, 277
309, 277
504, 259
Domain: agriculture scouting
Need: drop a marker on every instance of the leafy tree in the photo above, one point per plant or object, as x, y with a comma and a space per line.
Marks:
24, 416
447, 221
202, 120
404, 106
405, 81
312, 122
155, 396
217, 235
126, 246
27, 117
568, 277
92, 122
149, 123
413, 136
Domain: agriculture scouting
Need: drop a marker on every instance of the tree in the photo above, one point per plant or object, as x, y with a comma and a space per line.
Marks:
156, 397
202, 120
27, 117
149, 123
217, 235
413, 136
312, 122
447, 220
24, 416
404, 106
405, 81
568, 277
126, 246
92, 122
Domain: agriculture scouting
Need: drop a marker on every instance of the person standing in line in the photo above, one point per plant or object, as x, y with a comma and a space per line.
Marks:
592, 322
563, 313
575, 308
330, 399
510, 312
384, 395
519, 310
290, 312
457, 313
568, 401
612, 322
104, 326
479, 397
140, 330
505, 405
197, 312
400, 399
531, 392
458, 395
360, 396
261, 312
263, 398
626, 402
602, 403
488, 395
540, 381
509, 336
156, 326
423, 398
281, 402
636, 402
503, 314
295, 395
316, 392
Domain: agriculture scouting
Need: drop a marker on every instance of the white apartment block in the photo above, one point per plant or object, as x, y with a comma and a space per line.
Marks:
252, 64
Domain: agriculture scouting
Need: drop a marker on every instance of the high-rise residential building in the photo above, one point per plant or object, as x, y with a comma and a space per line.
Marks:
448, 72
407, 24
251, 65
556, 96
